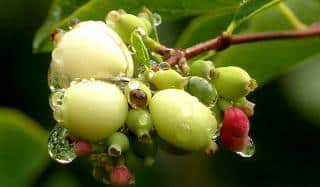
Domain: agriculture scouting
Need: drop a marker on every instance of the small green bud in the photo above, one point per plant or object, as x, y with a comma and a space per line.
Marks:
165, 79
202, 68
139, 122
224, 104
246, 106
118, 143
202, 89
138, 94
147, 150
217, 113
124, 24
233, 82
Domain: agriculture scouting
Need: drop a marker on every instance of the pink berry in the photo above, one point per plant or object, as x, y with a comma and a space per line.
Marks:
120, 176
231, 142
82, 148
235, 122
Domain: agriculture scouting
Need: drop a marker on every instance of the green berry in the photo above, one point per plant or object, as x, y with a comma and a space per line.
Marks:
118, 143
139, 122
93, 110
124, 24
165, 79
181, 120
202, 89
233, 82
202, 68
90, 50
138, 94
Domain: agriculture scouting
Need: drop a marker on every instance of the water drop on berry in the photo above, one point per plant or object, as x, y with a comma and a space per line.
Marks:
157, 19
55, 99
248, 150
59, 147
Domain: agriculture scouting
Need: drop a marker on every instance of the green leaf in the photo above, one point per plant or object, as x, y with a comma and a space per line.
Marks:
247, 9
62, 178
97, 10
60, 9
23, 149
267, 60
203, 28
141, 55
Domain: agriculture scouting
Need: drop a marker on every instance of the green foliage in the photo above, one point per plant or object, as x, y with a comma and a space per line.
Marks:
62, 11
247, 9
62, 179
23, 149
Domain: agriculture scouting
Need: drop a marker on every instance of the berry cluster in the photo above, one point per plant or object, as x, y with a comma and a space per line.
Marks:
115, 98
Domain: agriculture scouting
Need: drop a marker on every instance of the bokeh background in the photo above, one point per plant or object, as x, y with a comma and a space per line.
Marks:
285, 128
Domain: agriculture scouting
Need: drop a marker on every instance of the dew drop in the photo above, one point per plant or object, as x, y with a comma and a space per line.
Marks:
249, 149
164, 66
56, 99
59, 147
156, 19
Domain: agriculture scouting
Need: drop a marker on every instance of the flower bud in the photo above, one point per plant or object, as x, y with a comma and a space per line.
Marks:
93, 110
120, 176
181, 120
233, 82
118, 143
89, 50
82, 148
138, 94
165, 79
202, 68
202, 89
139, 122
124, 24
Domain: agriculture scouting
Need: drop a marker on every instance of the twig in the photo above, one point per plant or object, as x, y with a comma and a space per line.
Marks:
224, 41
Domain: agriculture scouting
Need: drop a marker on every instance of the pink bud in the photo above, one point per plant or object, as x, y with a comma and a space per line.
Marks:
120, 176
82, 148
235, 122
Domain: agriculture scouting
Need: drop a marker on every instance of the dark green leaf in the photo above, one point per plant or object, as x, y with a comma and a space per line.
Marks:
23, 149
266, 60
247, 9
97, 10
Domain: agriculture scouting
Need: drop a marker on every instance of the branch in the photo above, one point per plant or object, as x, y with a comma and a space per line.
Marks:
224, 41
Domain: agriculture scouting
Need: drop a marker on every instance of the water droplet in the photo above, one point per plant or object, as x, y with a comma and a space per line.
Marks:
56, 99
154, 65
249, 150
59, 147
156, 19
164, 66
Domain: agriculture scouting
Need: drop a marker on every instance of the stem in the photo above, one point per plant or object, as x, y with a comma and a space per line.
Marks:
293, 19
224, 41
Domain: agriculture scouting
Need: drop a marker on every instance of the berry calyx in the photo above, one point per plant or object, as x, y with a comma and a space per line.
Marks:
82, 148
118, 143
120, 176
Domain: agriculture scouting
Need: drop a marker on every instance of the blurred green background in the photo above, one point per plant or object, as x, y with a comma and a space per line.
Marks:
285, 128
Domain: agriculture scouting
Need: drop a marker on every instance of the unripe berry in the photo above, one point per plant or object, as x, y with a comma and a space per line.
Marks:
202, 68
138, 94
202, 89
181, 120
165, 79
139, 122
90, 50
236, 122
82, 148
124, 24
118, 143
93, 110
120, 176
233, 82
